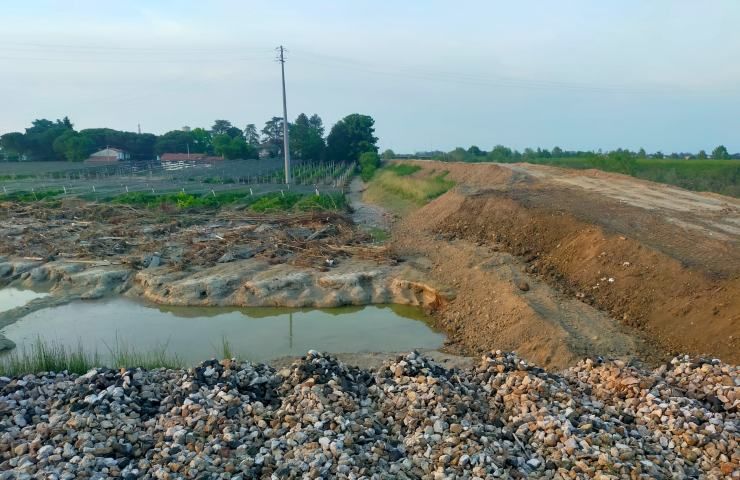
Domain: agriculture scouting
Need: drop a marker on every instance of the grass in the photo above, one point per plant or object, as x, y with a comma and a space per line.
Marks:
378, 234
124, 355
25, 196
270, 202
297, 202
45, 356
416, 189
403, 169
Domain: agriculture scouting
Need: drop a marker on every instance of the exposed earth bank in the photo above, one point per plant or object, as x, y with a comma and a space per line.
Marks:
557, 264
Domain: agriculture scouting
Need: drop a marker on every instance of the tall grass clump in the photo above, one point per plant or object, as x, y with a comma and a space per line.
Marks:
49, 356
124, 355
43, 356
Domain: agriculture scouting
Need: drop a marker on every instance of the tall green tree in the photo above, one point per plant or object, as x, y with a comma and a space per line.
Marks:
175, 141
316, 124
73, 146
306, 141
220, 127
251, 135
39, 138
272, 134
13, 143
350, 137
202, 140
233, 148
720, 153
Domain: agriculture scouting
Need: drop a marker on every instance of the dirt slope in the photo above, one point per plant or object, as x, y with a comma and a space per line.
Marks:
612, 265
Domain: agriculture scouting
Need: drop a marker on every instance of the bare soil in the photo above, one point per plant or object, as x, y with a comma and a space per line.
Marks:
559, 264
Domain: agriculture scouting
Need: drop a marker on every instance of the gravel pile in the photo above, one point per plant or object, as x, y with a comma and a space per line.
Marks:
409, 419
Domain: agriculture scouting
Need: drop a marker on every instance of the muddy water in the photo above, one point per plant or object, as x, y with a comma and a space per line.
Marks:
196, 334
11, 298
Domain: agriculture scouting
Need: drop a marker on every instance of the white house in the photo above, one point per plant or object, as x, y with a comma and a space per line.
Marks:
108, 155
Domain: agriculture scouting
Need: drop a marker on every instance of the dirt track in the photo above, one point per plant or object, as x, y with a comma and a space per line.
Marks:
612, 265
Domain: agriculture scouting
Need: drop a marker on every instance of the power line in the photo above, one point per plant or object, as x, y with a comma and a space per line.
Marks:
286, 146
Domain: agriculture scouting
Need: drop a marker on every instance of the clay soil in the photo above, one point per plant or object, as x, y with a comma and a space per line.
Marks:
559, 264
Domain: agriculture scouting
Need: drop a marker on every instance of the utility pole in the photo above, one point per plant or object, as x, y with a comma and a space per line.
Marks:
286, 148
139, 127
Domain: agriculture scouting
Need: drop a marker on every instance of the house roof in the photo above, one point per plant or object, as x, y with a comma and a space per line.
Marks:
109, 149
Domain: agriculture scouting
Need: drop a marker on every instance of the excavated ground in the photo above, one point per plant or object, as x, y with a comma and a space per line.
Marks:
229, 257
560, 264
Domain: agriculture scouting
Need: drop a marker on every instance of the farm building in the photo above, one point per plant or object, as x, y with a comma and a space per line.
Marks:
108, 155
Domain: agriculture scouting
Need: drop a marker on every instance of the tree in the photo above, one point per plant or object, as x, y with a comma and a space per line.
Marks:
369, 163
641, 153
273, 134
74, 146
233, 147
557, 152
499, 153
234, 132
350, 137
306, 142
202, 140
220, 127
176, 141
658, 154
720, 153
388, 154
250, 135
475, 151
13, 142
39, 138
702, 155
316, 124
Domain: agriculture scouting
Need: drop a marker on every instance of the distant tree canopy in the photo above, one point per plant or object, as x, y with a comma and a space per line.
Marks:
720, 153
47, 140
622, 159
351, 137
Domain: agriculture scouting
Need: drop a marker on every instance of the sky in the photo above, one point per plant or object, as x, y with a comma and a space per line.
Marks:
579, 74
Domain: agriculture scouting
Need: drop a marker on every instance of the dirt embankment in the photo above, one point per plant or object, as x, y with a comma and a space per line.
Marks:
542, 257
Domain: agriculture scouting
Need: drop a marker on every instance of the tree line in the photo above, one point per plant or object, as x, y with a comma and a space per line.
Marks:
48, 140
503, 154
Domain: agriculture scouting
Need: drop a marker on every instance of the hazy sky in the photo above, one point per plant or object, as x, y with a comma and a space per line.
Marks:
659, 74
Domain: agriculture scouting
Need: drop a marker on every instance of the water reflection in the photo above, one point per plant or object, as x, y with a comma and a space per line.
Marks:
259, 334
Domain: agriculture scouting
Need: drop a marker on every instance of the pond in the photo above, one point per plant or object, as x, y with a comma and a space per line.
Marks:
197, 333
11, 298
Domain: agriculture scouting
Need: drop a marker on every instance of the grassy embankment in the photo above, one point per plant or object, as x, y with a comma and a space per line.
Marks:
45, 356
402, 187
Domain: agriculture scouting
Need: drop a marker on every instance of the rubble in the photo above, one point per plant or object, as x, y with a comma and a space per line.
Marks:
410, 418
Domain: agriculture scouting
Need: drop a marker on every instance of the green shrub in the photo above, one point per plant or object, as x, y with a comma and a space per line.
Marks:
369, 163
